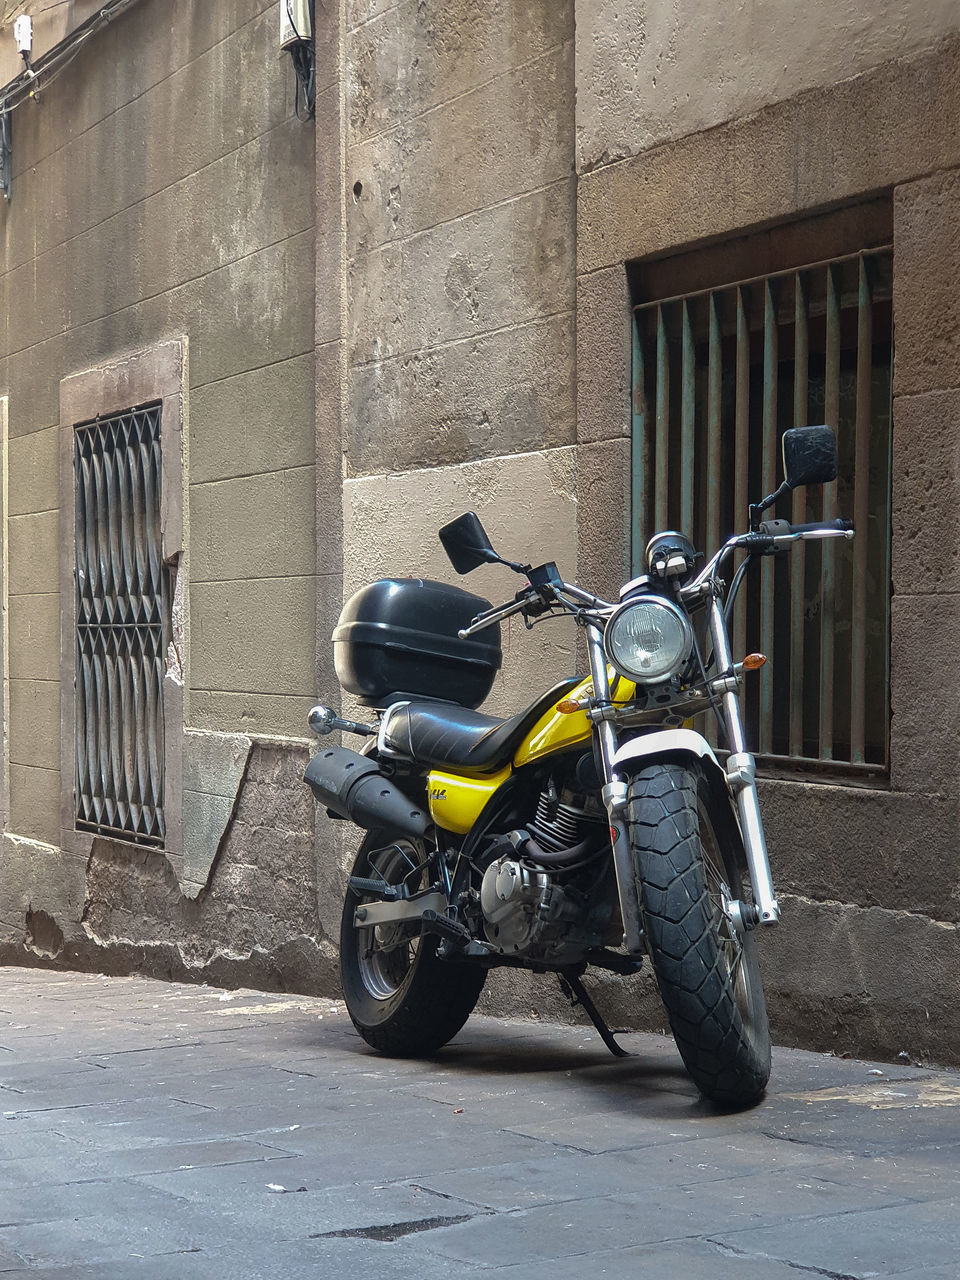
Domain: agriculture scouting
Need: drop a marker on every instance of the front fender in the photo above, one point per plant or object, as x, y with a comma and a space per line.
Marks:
668, 742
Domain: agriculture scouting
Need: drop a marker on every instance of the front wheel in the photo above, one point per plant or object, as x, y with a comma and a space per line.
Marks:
689, 863
403, 999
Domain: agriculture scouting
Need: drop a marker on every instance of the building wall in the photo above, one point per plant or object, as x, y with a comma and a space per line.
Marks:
429, 312
649, 73
164, 191
460, 231
805, 153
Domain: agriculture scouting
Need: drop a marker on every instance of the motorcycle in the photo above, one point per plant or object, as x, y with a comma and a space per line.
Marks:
593, 828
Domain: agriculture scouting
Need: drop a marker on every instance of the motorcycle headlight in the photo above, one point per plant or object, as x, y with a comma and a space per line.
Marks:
648, 640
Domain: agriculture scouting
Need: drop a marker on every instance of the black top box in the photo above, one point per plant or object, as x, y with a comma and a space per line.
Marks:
397, 638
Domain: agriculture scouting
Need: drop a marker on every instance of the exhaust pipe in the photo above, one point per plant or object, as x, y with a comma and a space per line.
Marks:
351, 786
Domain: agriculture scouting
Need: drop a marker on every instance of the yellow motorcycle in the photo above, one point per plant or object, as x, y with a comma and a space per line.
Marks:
595, 827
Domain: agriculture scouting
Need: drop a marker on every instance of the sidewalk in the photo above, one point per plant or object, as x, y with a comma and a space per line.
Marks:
185, 1133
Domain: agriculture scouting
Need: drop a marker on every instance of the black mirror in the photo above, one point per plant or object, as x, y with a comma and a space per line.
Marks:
809, 456
466, 543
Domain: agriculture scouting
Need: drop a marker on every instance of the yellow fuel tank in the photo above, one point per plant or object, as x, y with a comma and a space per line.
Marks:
559, 731
457, 799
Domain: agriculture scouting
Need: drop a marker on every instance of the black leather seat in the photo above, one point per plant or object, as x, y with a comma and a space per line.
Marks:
445, 735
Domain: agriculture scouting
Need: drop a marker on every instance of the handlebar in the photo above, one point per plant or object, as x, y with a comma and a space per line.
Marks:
484, 620
537, 600
819, 529
770, 536
778, 533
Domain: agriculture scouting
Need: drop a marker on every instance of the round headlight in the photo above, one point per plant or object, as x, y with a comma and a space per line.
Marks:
648, 639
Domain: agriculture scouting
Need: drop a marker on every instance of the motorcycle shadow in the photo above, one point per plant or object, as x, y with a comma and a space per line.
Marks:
652, 1079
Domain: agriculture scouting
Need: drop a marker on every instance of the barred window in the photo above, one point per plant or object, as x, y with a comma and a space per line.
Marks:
718, 376
122, 626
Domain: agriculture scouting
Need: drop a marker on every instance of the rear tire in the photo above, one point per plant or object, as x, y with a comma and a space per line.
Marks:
688, 856
403, 999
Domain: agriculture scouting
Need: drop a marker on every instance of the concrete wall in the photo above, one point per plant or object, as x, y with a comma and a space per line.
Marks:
163, 189
460, 224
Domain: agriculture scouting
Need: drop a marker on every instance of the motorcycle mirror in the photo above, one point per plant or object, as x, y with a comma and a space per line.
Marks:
809, 456
466, 543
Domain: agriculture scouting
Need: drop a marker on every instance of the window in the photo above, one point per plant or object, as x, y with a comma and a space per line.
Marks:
122, 626
123, 593
718, 376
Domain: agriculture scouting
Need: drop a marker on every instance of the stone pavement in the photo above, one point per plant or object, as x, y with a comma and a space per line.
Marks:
185, 1133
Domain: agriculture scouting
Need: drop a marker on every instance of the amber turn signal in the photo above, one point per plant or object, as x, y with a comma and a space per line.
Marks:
753, 661
568, 706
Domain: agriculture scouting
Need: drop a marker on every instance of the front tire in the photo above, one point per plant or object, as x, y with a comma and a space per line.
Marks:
688, 857
402, 998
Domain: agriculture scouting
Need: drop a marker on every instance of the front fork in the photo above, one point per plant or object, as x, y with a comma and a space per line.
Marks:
741, 779
615, 801
741, 770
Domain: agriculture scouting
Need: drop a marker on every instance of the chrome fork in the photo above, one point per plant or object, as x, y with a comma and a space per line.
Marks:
741, 770
615, 801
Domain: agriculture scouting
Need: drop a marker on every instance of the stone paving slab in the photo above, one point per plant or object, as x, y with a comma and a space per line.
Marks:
151, 1131
916, 1237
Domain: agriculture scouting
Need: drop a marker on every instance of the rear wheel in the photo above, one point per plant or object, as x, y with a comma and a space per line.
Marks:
402, 998
689, 862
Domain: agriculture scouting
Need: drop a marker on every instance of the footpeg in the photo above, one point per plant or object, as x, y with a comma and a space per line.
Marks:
433, 922
385, 892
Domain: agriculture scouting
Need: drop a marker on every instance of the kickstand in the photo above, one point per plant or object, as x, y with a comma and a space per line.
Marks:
576, 993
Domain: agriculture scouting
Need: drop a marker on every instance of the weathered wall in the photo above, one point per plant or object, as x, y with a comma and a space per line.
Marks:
869, 880
254, 922
453, 331
50, 24
459, 330
648, 73
459, 286
152, 200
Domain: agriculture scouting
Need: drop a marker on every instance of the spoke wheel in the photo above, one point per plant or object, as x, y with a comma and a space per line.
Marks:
402, 997
387, 953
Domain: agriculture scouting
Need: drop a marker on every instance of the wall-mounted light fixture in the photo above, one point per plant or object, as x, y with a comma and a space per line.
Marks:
296, 37
23, 34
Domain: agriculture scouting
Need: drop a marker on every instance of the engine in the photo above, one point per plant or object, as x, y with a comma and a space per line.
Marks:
545, 893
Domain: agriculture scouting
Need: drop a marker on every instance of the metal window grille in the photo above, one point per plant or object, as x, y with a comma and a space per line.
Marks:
718, 376
121, 626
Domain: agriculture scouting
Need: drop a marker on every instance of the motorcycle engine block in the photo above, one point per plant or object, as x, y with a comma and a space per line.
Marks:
536, 911
509, 898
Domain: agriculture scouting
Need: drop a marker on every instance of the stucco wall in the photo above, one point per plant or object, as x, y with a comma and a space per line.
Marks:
163, 189
132, 219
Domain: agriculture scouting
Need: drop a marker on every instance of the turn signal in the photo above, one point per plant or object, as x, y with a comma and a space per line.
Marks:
568, 706
753, 661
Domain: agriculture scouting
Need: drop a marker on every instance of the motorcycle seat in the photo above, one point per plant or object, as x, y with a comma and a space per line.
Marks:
445, 735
